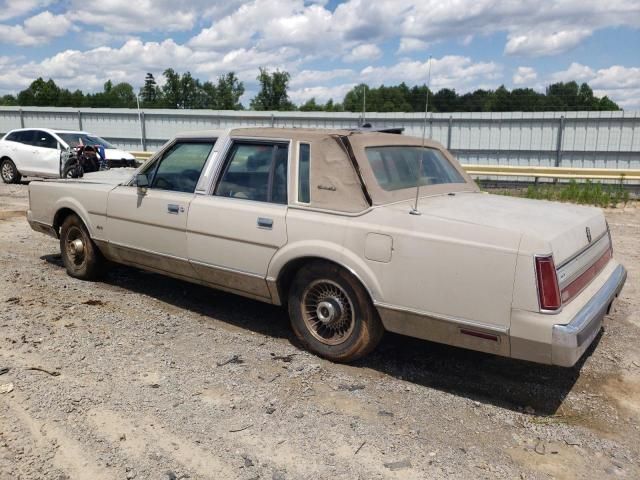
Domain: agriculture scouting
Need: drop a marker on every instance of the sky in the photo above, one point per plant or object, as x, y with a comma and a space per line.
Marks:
327, 46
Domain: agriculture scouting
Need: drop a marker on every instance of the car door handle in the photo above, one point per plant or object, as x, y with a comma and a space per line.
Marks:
265, 222
173, 209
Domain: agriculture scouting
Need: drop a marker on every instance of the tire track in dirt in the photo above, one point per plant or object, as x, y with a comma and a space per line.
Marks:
70, 455
144, 435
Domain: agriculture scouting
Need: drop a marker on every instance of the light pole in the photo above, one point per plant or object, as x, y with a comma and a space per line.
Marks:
140, 122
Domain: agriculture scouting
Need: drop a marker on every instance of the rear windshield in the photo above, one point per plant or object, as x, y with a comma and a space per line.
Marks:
75, 139
398, 167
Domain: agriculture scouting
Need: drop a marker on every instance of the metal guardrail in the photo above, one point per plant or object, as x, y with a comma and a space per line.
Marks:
143, 155
620, 174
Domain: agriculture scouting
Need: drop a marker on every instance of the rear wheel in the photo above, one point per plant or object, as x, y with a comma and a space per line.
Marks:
332, 314
9, 172
80, 256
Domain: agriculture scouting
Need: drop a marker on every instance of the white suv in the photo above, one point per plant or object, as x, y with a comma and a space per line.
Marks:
35, 152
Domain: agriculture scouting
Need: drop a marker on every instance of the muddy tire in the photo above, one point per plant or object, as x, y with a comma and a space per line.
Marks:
331, 313
80, 256
9, 172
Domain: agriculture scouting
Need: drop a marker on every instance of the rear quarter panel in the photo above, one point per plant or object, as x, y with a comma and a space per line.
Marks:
448, 269
87, 200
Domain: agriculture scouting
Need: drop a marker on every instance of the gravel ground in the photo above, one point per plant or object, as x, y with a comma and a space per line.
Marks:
140, 376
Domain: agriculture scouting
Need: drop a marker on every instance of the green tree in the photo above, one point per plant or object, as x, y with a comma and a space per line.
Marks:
417, 98
40, 93
445, 100
333, 107
171, 90
121, 95
273, 93
150, 93
8, 101
355, 98
229, 90
605, 103
562, 96
311, 106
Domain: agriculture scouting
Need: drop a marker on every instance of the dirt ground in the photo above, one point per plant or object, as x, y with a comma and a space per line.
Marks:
140, 376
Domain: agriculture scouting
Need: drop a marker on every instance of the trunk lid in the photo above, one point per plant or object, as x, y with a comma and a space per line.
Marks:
113, 176
563, 226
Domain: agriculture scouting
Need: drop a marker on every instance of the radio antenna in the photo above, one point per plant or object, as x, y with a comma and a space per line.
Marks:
414, 210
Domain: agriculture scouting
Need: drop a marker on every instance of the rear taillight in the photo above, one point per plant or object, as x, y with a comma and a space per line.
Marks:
548, 289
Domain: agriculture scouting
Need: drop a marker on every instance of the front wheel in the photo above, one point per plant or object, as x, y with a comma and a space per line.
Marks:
72, 171
332, 314
80, 256
9, 172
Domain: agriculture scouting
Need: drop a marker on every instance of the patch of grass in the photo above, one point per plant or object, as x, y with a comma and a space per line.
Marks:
586, 193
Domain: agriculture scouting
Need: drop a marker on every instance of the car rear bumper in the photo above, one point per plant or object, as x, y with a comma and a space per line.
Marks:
569, 341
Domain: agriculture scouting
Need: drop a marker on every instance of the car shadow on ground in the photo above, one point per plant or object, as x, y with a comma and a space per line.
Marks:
504, 382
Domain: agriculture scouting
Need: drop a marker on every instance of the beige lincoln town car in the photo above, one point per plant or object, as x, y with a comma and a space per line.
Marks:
324, 223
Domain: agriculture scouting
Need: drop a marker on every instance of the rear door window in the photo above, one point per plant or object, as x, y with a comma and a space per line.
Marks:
24, 136
256, 171
12, 137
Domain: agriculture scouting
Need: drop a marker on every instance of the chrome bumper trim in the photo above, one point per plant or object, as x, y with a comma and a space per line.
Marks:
570, 341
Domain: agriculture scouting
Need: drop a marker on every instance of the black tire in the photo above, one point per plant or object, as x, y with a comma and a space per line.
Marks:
348, 328
9, 172
72, 171
80, 255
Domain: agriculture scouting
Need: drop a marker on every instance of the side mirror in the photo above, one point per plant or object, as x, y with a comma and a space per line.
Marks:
142, 182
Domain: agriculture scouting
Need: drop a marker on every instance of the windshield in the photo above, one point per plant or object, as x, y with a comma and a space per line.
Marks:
396, 167
75, 139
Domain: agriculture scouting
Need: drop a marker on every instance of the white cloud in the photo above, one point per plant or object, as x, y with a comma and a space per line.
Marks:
533, 27
576, 72
306, 77
321, 94
540, 42
36, 30
128, 16
621, 84
411, 45
305, 36
524, 75
362, 53
450, 71
17, 8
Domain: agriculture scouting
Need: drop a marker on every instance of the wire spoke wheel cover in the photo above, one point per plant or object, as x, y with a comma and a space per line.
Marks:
328, 312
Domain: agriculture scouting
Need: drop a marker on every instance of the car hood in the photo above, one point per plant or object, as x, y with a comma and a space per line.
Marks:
562, 226
113, 176
117, 154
